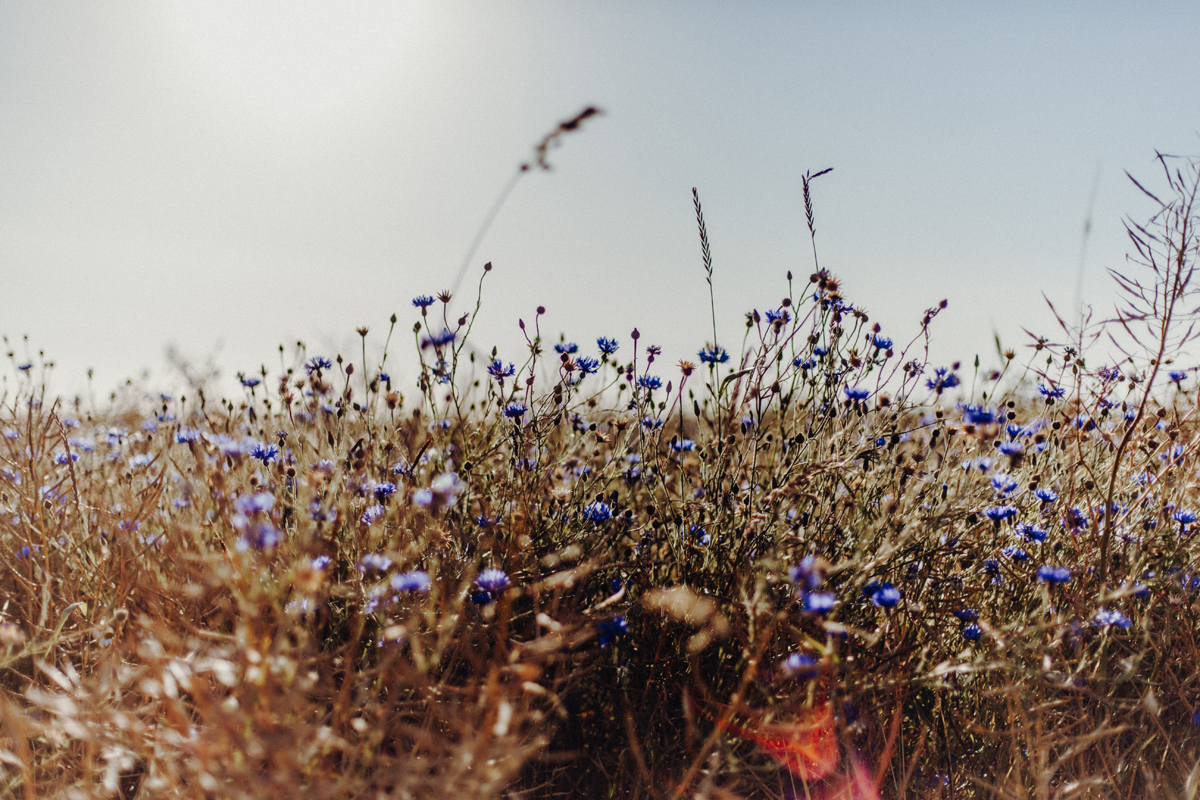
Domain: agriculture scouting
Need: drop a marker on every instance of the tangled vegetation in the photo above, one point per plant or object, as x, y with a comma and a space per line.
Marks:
813, 565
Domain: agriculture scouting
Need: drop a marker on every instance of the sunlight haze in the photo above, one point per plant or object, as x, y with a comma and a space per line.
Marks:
226, 177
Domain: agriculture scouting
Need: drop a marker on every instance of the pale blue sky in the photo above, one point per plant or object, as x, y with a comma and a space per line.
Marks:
253, 173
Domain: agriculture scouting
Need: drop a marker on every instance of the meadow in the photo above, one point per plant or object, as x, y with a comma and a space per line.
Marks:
807, 563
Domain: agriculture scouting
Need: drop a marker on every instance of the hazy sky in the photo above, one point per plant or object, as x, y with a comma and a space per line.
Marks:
248, 173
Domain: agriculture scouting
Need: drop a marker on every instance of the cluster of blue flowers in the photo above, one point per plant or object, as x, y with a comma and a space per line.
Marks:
807, 578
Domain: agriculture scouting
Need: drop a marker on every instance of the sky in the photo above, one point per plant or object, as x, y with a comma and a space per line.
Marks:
223, 177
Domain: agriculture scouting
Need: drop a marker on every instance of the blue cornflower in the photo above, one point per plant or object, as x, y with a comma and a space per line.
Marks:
857, 394
373, 562
886, 596
683, 445
415, 581
1000, 513
650, 382
966, 615
1177, 377
1053, 574
610, 629
806, 575
607, 346
566, 348
498, 371
252, 504
699, 534
373, 513
515, 410
1175, 454
1050, 391
185, 435
1011, 448
1075, 518
1031, 533
801, 667
991, 568
1045, 495
1015, 553
1140, 590
943, 379
249, 383
28, 365
263, 535
493, 581
597, 512
711, 354
651, 423
819, 602
1105, 617
266, 453
1003, 484
316, 364
781, 316
972, 632
441, 339
1184, 517
804, 363
881, 342
384, 490
820, 352
978, 415
422, 301
587, 365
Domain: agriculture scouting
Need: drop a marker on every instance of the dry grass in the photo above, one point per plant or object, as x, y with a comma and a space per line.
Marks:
802, 572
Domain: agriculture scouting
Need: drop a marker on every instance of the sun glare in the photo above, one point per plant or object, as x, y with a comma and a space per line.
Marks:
314, 59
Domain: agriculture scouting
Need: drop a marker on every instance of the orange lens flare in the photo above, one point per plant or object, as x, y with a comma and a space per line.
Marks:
806, 747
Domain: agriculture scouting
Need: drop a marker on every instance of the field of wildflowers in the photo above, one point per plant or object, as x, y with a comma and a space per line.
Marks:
807, 564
